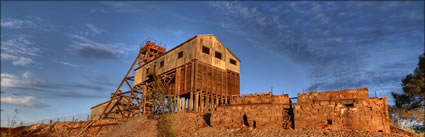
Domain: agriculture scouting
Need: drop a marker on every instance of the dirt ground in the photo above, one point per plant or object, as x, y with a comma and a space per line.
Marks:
184, 124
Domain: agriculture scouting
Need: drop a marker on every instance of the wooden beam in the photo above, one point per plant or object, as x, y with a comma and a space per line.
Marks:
184, 104
190, 102
196, 101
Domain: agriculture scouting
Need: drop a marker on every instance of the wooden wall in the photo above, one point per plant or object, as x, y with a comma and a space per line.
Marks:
214, 45
196, 70
171, 61
206, 78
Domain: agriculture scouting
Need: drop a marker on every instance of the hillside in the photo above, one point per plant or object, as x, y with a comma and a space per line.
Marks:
182, 124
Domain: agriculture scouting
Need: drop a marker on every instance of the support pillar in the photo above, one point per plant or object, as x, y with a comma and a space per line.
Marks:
196, 101
191, 102
144, 99
202, 101
184, 104
174, 104
225, 99
216, 102
205, 101
212, 103
179, 106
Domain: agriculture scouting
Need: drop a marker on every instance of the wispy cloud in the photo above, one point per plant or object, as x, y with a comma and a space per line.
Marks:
17, 23
26, 101
9, 80
95, 50
18, 61
120, 7
19, 45
335, 40
94, 28
68, 64
19, 50
29, 85
26, 79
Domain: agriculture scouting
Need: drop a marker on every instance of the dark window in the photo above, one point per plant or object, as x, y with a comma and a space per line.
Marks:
245, 120
232, 61
147, 71
161, 64
218, 55
180, 54
329, 122
205, 50
349, 105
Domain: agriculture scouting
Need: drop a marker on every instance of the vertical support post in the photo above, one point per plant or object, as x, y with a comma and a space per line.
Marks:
196, 101
222, 99
202, 101
191, 102
177, 82
179, 106
174, 104
184, 104
192, 85
144, 99
208, 101
205, 101
225, 99
216, 102
212, 103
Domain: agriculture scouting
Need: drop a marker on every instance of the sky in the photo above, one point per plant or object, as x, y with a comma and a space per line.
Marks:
61, 58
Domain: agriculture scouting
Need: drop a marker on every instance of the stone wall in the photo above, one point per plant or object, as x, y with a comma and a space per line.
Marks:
271, 111
333, 95
345, 109
252, 115
269, 99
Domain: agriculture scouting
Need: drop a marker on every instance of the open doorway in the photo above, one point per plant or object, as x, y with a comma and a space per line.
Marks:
245, 120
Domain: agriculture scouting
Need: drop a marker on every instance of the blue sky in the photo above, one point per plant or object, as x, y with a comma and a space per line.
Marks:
61, 58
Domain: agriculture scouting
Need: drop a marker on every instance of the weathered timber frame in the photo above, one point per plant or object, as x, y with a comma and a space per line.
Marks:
193, 81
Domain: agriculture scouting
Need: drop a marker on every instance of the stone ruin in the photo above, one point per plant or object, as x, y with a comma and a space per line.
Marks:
263, 110
344, 109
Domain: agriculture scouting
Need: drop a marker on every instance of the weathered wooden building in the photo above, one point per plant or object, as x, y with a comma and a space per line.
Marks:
202, 73
196, 76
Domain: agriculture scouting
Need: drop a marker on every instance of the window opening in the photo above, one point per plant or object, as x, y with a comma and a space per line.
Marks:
205, 50
218, 55
161, 64
180, 54
232, 61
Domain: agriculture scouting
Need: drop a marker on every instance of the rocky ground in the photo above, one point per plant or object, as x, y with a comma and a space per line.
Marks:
188, 124
247, 132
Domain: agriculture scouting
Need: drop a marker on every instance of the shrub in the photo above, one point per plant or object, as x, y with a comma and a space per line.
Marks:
164, 126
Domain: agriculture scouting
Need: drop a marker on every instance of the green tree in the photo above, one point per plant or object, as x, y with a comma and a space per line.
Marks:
408, 110
161, 103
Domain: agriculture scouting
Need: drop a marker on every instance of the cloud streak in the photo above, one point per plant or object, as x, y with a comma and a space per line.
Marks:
25, 101
95, 50
19, 50
94, 28
9, 81
28, 85
335, 40
68, 64
17, 23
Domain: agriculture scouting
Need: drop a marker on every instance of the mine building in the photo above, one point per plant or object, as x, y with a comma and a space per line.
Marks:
201, 75
196, 76
205, 73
